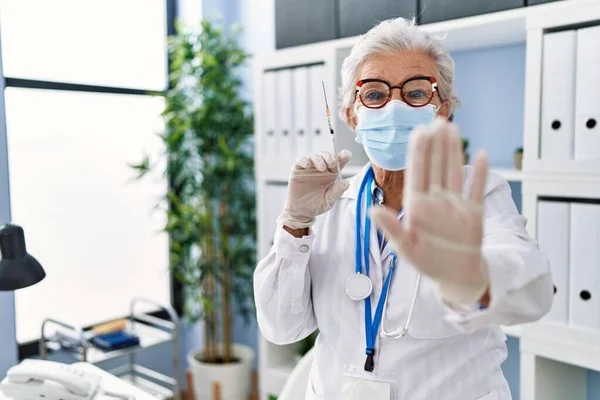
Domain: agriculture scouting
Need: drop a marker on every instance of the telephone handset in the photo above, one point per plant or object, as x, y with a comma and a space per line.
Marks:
48, 380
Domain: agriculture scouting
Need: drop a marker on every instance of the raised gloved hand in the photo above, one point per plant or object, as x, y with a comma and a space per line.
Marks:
313, 188
442, 231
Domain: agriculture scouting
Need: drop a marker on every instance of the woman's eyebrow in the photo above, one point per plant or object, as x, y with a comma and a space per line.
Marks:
394, 82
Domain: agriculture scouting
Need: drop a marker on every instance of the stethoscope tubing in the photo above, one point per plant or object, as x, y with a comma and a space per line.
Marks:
401, 332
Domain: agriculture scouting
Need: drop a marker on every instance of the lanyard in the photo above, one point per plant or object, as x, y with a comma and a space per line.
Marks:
371, 325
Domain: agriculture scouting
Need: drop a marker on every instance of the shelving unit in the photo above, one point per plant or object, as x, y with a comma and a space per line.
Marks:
553, 357
513, 330
511, 175
74, 343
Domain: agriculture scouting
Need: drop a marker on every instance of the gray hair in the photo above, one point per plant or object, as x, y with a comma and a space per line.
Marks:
397, 34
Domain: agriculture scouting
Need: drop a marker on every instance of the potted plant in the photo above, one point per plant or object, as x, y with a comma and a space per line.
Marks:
211, 200
518, 158
465, 146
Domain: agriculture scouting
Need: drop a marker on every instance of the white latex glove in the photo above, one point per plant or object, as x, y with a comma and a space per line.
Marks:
313, 188
442, 231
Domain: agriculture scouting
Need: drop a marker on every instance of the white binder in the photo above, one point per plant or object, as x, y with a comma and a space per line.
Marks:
285, 121
270, 143
301, 112
558, 95
584, 301
587, 103
553, 231
321, 140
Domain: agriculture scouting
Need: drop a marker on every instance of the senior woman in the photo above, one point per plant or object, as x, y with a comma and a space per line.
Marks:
409, 306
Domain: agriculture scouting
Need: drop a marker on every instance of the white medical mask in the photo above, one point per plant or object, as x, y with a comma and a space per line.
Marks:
384, 132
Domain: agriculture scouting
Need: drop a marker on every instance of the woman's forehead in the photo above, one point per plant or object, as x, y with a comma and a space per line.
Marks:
398, 66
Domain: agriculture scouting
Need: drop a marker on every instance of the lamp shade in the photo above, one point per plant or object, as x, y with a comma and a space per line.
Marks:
17, 268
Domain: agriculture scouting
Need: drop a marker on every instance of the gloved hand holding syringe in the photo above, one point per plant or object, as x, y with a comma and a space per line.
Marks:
314, 186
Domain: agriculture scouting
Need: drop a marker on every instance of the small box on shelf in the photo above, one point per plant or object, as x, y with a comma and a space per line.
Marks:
518, 158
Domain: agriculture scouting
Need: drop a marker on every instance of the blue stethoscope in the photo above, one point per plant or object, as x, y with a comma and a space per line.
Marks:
359, 286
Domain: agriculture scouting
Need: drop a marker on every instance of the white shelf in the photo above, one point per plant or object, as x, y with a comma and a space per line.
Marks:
149, 336
513, 330
510, 174
569, 345
581, 170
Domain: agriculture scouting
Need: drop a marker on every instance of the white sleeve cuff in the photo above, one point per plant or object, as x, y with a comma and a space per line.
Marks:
293, 248
474, 316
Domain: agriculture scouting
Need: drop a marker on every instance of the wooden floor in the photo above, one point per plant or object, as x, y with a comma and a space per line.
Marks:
188, 393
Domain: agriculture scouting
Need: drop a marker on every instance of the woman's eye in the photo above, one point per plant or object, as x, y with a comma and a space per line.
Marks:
416, 94
373, 95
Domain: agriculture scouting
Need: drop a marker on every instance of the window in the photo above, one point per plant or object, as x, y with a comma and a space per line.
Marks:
117, 43
78, 112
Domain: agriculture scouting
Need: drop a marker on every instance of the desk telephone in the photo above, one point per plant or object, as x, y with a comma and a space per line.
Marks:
48, 380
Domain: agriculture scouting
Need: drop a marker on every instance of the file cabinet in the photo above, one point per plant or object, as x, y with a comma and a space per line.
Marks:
443, 10
358, 16
313, 21
303, 22
536, 2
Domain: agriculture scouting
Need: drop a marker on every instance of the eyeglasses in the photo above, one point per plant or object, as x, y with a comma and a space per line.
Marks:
376, 93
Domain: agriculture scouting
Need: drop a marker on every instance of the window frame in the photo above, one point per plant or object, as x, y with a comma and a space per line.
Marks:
31, 349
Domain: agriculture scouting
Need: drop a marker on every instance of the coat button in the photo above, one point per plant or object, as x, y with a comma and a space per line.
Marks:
304, 248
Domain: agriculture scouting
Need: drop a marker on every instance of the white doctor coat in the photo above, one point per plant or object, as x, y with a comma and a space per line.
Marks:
446, 354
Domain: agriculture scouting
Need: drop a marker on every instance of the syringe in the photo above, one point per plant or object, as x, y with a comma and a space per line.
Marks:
332, 134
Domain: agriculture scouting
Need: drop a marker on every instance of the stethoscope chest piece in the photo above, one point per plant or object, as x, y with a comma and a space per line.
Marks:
358, 287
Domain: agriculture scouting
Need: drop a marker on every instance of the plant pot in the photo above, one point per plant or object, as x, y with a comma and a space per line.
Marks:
235, 379
518, 160
465, 158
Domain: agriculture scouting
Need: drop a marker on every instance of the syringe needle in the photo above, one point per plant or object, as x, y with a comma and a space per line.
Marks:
332, 134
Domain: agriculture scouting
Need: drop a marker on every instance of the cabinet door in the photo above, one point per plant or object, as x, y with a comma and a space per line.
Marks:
358, 16
443, 10
535, 2
303, 22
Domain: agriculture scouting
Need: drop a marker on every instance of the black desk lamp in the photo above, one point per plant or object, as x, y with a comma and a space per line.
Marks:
17, 268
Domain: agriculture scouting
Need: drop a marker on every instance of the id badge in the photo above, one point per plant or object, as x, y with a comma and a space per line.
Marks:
359, 389
360, 385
